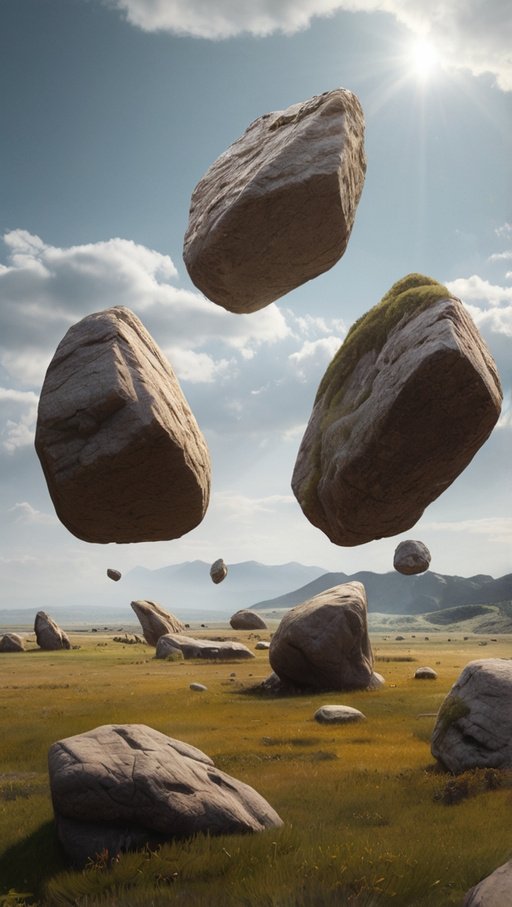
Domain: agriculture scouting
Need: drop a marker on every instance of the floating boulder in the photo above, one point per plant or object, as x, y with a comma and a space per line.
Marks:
49, 636
155, 621
218, 571
493, 891
411, 557
338, 714
114, 574
277, 207
125, 787
122, 454
247, 620
474, 724
11, 642
201, 648
425, 673
402, 409
323, 643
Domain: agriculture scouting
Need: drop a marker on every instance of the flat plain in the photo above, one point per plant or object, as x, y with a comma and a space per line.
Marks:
369, 817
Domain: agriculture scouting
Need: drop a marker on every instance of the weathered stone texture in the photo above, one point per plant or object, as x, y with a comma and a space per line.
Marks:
493, 891
474, 724
11, 642
155, 621
323, 643
49, 635
402, 409
245, 619
411, 557
121, 787
122, 454
201, 648
277, 207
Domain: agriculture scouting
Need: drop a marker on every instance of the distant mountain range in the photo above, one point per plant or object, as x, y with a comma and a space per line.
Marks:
394, 593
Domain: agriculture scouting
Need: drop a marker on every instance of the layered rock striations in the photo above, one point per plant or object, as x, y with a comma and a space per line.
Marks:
402, 409
277, 207
122, 454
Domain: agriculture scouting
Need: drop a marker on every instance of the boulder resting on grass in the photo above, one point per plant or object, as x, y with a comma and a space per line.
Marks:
49, 635
12, 642
190, 647
155, 620
245, 619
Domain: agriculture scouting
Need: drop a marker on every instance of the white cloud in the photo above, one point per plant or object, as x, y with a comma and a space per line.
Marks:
471, 35
477, 289
23, 512
314, 355
501, 256
199, 368
504, 231
18, 412
495, 529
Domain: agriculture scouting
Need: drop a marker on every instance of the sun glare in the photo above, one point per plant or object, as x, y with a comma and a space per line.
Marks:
424, 59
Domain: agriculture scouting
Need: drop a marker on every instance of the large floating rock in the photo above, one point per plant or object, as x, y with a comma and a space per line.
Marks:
155, 621
123, 457
324, 643
218, 571
474, 724
411, 557
11, 642
122, 787
49, 635
493, 891
201, 648
402, 409
277, 207
247, 620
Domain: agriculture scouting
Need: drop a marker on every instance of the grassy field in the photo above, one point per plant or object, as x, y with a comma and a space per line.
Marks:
369, 819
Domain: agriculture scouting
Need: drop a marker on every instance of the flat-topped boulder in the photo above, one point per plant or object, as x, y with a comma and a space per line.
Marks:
245, 619
49, 635
121, 451
402, 409
12, 642
155, 620
201, 648
277, 207
323, 643
474, 724
125, 787
411, 556
218, 571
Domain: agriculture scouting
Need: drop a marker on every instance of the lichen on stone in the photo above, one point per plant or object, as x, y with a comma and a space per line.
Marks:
452, 709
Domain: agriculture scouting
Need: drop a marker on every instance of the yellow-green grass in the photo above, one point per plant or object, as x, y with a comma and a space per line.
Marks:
365, 809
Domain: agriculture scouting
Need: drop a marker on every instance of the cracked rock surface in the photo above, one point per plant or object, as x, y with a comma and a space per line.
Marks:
49, 635
402, 409
121, 451
323, 643
155, 621
474, 724
277, 207
201, 648
120, 787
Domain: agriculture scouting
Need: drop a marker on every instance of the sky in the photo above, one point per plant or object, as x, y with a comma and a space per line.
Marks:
111, 112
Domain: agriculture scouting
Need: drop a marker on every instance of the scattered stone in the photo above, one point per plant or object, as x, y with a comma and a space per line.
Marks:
125, 787
201, 648
376, 681
49, 635
262, 645
218, 571
323, 643
122, 454
114, 574
155, 621
402, 409
411, 557
493, 891
474, 724
425, 673
338, 714
11, 642
198, 687
247, 620
277, 207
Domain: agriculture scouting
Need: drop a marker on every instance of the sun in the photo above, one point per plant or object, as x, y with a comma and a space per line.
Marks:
423, 59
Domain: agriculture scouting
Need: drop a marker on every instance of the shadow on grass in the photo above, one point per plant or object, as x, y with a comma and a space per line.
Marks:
27, 865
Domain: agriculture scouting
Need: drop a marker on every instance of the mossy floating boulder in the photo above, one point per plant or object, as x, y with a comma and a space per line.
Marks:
402, 409
277, 207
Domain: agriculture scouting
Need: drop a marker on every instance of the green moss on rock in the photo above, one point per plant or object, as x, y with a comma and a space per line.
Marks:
452, 709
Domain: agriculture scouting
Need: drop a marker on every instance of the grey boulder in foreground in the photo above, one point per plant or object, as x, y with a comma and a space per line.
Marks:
277, 207
493, 891
323, 643
121, 451
474, 724
245, 619
402, 409
49, 635
201, 648
155, 621
122, 787
411, 557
